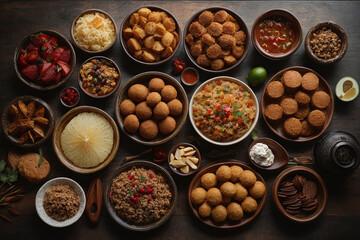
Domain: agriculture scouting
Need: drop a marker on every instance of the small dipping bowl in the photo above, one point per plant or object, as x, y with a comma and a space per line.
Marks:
190, 76
281, 157
64, 101
177, 170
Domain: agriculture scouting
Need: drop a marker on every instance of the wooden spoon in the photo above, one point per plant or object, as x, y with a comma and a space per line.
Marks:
94, 201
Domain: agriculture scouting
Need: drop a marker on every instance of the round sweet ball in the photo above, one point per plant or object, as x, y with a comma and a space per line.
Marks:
175, 107
257, 190
138, 92
241, 192
198, 196
167, 125
131, 123
219, 213
143, 111
127, 107
247, 178
228, 189
235, 172
235, 211
205, 210
213, 196
249, 205
168, 93
223, 173
153, 98
156, 85
208, 180
148, 129
161, 111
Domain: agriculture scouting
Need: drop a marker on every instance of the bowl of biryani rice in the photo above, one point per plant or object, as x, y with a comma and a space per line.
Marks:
224, 110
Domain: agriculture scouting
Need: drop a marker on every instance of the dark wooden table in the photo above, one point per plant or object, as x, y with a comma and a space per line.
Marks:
341, 217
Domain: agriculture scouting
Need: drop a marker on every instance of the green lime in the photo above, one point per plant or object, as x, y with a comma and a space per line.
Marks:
257, 76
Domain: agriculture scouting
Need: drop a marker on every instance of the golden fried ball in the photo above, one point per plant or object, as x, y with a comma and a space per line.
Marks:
175, 107
168, 93
237, 51
235, 211
221, 16
247, 178
149, 129
213, 51
189, 40
153, 98
203, 60
198, 196
138, 92
156, 85
167, 125
131, 123
257, 190
235, 172
196, 50
207, 39
143, 111
205, 18
240, 37
208, 180
219, 213
205, 210
217, 64
213, 196
215, 29
127, 107
161, 111
228, 189
229, 28
223, 173
196, 29
241, 192
227, 41
249, 205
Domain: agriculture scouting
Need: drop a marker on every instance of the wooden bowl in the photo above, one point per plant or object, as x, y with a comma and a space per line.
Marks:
109, 62
126, 22
212, 167
89, 11
144, 78
311, 175
147, 165
62, 42
5, 120
281, 157
336, 29
284, 14
242, 27
177, 170
59, 128
64, 103
238, 82
277, 127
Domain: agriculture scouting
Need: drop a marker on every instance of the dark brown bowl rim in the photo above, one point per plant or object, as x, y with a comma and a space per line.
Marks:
338, 30
146, 164
279, 147
4, 120
35, 85
65, 104
118, 81
239, 20
270, 13
191, 171
328, 90
92, 10
322, 187
151, 7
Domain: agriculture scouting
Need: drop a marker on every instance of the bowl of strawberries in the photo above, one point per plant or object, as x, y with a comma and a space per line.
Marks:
44, 60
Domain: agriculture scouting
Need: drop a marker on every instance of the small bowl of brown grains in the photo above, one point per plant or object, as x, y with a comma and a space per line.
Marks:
60, 202
326, 43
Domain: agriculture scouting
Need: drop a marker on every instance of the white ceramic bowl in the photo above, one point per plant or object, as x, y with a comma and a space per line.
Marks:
40, 198
234, 80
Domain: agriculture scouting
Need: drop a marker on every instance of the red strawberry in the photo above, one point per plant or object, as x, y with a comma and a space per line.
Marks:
44, 68
59, 49
31, 47
53, 56
54, 41
22, 61
33, 56
65, 56
44, 37
46, 48
31, 72
65, 68
57, 77
49, 75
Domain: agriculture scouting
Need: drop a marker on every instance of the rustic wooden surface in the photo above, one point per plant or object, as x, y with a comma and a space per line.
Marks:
341, 217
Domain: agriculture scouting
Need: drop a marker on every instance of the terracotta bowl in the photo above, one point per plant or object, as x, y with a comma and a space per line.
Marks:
59, 128
5, 120
271, 14
336, 29
144, 78
227, 224
62, 42
309, 174
242, 27
147, 165
88, 11
177, 170
65, 104
126, 22
281, 157
109, 62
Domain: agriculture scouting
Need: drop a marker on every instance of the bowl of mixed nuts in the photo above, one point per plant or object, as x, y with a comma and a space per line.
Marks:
184, 159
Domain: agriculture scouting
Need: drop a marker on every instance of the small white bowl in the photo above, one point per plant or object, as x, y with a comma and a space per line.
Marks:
40, 198
186, 70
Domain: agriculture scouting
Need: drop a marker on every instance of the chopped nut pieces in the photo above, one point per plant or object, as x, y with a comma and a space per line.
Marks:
325, 43
184, 158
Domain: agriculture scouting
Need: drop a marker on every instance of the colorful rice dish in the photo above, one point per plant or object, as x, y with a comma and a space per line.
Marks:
223, 111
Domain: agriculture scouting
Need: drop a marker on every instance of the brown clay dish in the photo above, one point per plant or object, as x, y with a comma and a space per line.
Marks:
336, 29
61, 124
277, 128
212, 167
177, 170
281, 157
310, 174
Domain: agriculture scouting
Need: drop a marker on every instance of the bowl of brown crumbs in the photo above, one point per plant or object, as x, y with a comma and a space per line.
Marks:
60, 202
326, 43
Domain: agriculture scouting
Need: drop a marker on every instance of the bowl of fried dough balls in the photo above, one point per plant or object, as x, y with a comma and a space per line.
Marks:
216, 39
151, 108
150, 35
227, 194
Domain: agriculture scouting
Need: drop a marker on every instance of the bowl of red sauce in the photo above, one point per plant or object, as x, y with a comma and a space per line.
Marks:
190, 76
276, 34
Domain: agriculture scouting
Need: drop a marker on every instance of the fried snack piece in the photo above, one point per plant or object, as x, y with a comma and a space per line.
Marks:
127, 107
219, 213
310, 82
198, 196
241, 192
303, 112
205, 210
168, 93
131, 123
227, 41
143, 111
208, 180
215, 29
235, 172
289, 106
316, 118
149, 129
213, 196
29, 167
228, 189
275, 90
249, 205
161, 111
229, 28
291, 80
167, 125
203, 60
223, 173
156, 84
273, 112
257, 190
175, 107
217, 64
320, 99
206, 18
292, 127
153, 99
213, 51
196, 29
247, 178
302, 98
221, 16
138, 93
235, 211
